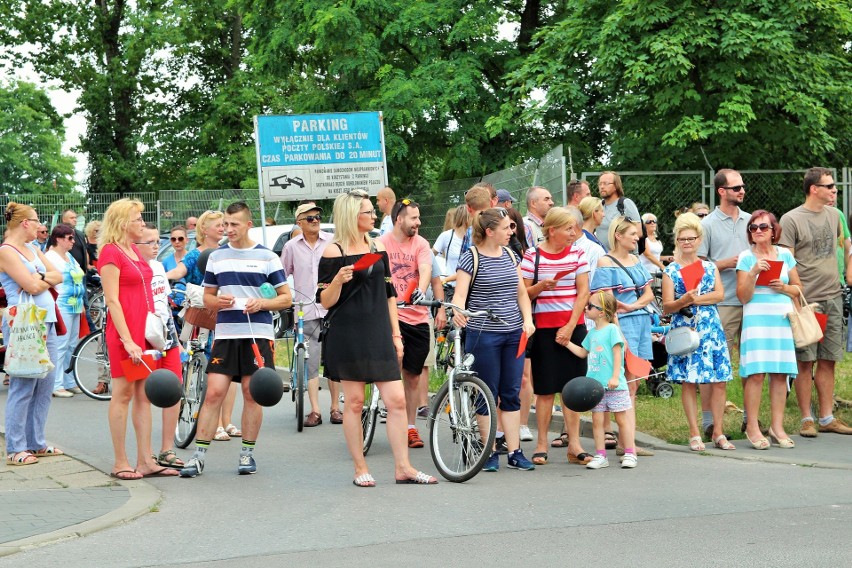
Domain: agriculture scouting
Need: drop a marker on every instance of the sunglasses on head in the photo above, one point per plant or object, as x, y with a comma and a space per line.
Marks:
753, 228
177, 239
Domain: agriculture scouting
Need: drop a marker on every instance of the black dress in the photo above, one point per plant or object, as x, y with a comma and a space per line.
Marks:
359, 343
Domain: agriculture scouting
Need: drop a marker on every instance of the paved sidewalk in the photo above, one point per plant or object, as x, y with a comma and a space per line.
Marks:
61, 497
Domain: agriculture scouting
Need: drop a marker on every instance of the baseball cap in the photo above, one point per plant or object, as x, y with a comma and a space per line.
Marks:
504, 195
307, 207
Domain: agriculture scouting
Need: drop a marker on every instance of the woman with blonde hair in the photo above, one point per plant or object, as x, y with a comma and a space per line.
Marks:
448, 247
362, 304
24, 268
126, 279
208, 233
558, 306
696, 308
593, 214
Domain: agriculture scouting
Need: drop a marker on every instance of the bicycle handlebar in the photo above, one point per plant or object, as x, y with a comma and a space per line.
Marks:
467, 313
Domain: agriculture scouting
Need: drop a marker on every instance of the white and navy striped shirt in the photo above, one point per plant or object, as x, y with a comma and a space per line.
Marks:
241, 272
495, 287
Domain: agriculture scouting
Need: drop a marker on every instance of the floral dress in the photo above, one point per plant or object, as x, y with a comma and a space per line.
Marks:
710, 363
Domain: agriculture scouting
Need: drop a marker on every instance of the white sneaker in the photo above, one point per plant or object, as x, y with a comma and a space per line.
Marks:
598, 462
526, 435
629, 461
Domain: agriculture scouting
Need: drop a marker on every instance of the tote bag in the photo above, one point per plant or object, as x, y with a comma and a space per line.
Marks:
26, 354
803, 321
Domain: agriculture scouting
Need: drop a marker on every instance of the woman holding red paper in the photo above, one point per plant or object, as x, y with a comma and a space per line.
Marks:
556, 276
126, 279
691, 289
766, 345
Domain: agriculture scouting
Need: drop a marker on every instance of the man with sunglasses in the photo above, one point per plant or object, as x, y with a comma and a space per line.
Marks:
725, 237
410, 262
300, 257
812, 231
41, 238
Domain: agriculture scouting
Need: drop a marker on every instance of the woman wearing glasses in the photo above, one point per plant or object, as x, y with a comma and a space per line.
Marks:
24, 268
363, 343
498, 286
179, 242
766, 345
696, 308
70, 295
126, 278
650, 257
621, 273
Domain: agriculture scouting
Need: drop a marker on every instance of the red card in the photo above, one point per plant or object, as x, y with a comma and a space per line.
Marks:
636, 366
137, 372
822, 320
771, 273
560, 275
522, 345
406, 296
692, 275
366, 261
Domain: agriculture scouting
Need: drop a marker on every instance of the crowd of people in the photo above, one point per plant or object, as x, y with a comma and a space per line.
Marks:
575, 283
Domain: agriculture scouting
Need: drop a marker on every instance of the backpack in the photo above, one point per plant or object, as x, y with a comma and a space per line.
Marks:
475, 252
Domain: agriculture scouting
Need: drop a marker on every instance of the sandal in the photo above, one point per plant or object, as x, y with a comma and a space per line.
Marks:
364, 480
610, 441
21, 458
581, 459
169, 459
47, 452
221, 435
696, 444
233, 431
561, 441
723, 444
539, 458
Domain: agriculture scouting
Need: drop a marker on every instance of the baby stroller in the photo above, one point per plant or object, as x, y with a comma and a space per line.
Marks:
658, 381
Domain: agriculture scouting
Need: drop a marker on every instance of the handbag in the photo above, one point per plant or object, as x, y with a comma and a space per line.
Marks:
803, 322
156, 330
26, 354
681, 341
194, 312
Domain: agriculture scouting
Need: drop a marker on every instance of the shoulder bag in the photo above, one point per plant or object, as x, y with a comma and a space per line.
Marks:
156, 330
803, 322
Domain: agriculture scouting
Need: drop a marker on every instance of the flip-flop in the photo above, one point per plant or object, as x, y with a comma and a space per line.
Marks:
162, 473
561, 441
419, 479
122, 475
582, 458
364, 480
539, 458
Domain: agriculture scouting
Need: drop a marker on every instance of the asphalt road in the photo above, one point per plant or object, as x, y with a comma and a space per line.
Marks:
301, 509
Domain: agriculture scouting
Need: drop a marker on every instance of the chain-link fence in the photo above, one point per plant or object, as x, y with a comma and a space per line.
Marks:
50, 206
176, 206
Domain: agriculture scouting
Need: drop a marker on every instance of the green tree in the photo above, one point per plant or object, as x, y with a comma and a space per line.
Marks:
435, 69
31, 137
761, 84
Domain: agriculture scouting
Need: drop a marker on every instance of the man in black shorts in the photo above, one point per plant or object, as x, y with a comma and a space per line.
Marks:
232, 281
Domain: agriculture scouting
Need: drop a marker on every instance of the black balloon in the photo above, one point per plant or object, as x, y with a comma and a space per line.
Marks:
163, 388
582, 394
266, 386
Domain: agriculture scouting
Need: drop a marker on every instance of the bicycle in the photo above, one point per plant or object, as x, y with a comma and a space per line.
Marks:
90, 365
462, 417
194, 388
299, 368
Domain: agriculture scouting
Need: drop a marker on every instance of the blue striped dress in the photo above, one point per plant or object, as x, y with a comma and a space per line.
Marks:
766, 342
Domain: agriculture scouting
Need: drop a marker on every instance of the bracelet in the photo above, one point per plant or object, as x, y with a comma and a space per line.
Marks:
399, 335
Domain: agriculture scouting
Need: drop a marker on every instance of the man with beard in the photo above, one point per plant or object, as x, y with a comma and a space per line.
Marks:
410, 261
615, 205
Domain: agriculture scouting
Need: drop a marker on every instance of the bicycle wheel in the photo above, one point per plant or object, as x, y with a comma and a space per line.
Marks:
443, 352
369, 414
90, 365
299, 386
97, 309
194, 389
461, 441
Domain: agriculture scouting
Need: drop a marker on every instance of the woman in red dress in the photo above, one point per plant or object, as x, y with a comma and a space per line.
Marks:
126, 280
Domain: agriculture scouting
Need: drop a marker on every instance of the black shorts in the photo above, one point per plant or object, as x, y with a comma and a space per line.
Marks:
235, 357
415, 340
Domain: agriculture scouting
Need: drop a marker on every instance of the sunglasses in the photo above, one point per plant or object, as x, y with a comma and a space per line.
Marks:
702, 215
826, 185
753, 228
69, 237
735, 188
318, 218
177, 239
651, 222
400, 205
42, 232
590, 306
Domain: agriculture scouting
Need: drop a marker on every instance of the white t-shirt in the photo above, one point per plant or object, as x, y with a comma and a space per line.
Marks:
386, 226
448, 246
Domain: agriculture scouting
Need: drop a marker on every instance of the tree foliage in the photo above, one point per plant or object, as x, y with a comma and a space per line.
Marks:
760, 84
31, 136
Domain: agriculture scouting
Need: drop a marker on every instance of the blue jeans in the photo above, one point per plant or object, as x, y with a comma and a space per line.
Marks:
67, 343
497, 364
28, 401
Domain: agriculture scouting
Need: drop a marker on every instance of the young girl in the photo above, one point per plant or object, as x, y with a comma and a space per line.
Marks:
604, 346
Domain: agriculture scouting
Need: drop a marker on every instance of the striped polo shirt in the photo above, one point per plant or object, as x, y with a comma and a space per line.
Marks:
553, 307
241, 272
